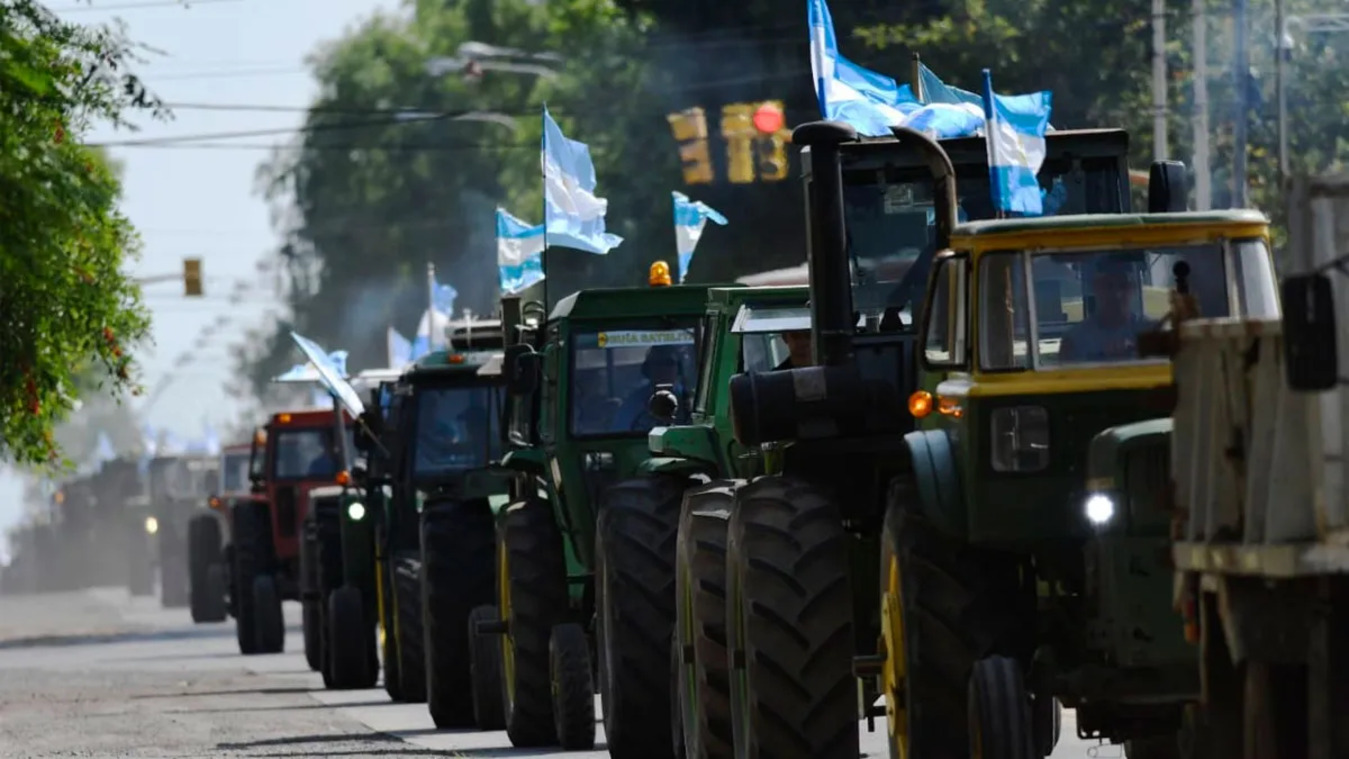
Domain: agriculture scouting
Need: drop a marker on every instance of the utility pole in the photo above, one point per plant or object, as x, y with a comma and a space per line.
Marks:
1241, 81
1159, 146
1203, 195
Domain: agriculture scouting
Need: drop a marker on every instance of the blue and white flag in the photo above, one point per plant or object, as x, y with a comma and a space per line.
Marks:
399, 349
1016, 147
149, 440
332, 372
519, 253
572, 214
307, 373
443, 296
870, 102
103, 450
690, 217
210, 440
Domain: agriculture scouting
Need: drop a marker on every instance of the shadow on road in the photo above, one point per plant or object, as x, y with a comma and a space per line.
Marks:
303, 739
127, 636
233, 692
315, 705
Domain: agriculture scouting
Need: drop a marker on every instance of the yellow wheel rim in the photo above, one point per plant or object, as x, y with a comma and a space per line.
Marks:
893, 674
504, 613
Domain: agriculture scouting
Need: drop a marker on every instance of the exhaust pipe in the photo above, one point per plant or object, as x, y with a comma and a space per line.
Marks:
831, 313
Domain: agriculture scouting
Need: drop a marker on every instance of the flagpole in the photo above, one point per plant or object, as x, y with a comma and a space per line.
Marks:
916, 74
430, 306
543, 169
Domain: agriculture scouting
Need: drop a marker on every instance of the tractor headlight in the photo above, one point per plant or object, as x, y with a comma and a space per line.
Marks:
356, 510
1020, 439
1099, 508
151, 525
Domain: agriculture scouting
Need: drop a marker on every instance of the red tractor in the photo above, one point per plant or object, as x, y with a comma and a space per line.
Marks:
295, 453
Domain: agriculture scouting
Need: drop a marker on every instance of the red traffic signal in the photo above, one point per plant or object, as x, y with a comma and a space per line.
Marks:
768, 119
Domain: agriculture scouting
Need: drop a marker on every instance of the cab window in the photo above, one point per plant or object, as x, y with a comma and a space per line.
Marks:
944, 343
615, 371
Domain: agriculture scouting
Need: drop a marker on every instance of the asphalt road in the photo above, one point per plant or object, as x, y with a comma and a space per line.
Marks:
96, 674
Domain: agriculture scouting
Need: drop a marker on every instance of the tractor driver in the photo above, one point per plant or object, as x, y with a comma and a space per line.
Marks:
1110, 332
661, 367
798, 350
325, 463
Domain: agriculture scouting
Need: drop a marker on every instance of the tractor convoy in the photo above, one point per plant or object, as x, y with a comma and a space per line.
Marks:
960, 473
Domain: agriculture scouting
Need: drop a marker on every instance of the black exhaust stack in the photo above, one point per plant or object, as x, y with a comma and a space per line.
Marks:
832, 320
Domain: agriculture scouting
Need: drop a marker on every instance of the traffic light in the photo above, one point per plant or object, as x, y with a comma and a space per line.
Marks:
737, 127
690, 130
192, 277
771, 158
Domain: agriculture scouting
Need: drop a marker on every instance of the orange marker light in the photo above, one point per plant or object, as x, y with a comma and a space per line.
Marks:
284, 418
343, 478
920, 404
659, 276
949, 407
215, 503
457, 358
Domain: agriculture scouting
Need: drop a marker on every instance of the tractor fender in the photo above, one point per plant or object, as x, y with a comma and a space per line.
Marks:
934, 471
676, 466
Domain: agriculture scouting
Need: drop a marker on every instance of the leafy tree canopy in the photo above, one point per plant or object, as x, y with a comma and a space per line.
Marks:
71, 315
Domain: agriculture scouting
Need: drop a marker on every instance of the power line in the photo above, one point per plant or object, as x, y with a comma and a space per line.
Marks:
407, 118
184, 4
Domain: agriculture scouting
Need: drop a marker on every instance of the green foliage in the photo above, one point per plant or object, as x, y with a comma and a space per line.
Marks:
71, 316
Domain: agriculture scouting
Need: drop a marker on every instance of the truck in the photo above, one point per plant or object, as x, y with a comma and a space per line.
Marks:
296, 452
901, 520
1261, 507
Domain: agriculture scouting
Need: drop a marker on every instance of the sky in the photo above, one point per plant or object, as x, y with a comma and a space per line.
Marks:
201, 203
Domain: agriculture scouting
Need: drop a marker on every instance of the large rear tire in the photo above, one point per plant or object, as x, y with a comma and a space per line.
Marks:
532, 597
703, 679
204, 551
635, 599
407, 588
458, 573
252, 557
488, 700
789, 613
955, 605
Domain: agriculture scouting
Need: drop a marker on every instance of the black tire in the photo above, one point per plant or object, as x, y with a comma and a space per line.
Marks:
999, 706
458, 574
635, 601
572, 686
1047, 713
269, 625
312, 624
389, 633
204, 551
485, 671
703, 678
251, 550
790, 615
536, 583
1167, 747
958, 605
407, 588
350, 643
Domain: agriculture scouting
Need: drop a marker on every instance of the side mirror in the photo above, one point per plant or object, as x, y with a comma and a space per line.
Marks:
1311, 361
1168, 187
663, 404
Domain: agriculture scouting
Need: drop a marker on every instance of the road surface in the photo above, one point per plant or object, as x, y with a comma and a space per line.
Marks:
97, 674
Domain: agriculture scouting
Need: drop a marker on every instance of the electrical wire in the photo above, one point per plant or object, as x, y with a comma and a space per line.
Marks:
184, 4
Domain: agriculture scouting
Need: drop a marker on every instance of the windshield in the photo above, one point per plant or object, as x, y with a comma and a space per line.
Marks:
765, 331
614, 373
456, 429
234, 473
1090, 307
307, 453
889, 217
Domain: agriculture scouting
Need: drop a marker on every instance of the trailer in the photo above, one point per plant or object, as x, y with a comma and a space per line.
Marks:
1261, 527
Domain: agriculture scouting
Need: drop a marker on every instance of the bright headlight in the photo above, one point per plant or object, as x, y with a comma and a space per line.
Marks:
151, 525
1099, 508
356, 510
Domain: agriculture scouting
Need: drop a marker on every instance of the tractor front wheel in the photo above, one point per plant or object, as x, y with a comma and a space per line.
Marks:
407, 588
702, 669
251, 553
573, 689
269, 626
350, 641
532, 597
789, 617
204, 546
1000, 724
458, 563
388, 631
634, 589
485, 671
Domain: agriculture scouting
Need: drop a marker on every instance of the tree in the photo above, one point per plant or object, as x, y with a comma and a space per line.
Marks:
71, 315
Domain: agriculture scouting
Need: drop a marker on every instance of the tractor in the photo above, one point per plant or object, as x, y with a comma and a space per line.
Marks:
435, 541
179, 489
297, 452
586, 383
931, 498
207, 568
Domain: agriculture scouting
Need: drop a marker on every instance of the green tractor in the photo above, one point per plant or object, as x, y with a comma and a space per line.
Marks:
583, 544
435, 536
947, 479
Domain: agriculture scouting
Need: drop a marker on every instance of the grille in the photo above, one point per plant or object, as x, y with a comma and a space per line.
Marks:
1147, 483
285, 511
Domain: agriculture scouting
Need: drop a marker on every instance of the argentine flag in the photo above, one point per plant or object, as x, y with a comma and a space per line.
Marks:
1015, 130
443, 296
332, 371
572, 214
519, 253
869, 102
689, 219
399, 349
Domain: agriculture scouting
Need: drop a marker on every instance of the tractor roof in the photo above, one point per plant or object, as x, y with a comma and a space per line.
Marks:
442, 362
628, 302
732, 297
